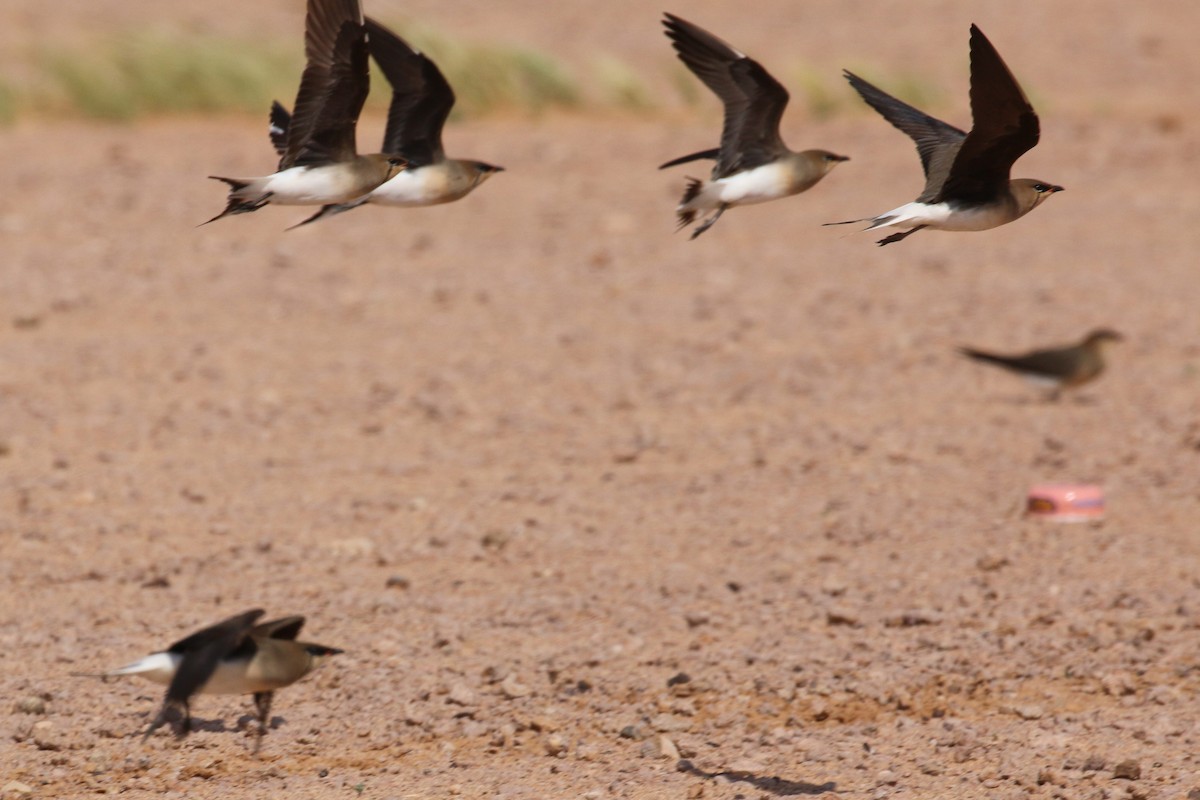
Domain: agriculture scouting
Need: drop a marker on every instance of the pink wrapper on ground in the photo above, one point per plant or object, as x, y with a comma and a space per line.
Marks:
1066, 502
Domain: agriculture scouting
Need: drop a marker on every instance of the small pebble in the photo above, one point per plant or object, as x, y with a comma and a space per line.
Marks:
913, 617
669, 723
513, 688
635, 732
1030, 711
667, 749
1129, 770
30, 705
461, 694
555, 745
839, 615
678, 678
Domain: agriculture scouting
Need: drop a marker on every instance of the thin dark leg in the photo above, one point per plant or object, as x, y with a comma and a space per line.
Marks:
329, 211
262, 702
168, 711
895, 237
708, 223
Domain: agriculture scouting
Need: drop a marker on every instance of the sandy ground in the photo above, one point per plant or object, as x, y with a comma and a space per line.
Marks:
532, 457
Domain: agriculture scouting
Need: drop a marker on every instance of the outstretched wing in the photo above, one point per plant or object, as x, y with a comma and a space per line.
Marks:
203, 650
1005, 127
937, 142
754, 101
333, 87
421, 98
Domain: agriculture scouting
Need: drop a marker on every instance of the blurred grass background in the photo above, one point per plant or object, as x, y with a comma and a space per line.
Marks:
130, 76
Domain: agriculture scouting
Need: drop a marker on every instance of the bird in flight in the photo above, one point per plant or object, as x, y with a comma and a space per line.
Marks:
967, 183
753, 164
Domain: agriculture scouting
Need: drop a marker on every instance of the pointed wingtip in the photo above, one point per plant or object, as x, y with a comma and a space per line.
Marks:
978, 35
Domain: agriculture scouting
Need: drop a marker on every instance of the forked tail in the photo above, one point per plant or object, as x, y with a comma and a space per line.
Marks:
238, 203
688, 215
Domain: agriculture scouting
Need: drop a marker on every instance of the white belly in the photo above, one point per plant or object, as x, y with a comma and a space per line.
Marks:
940, 216
306, 186
422, 186
758, 185
230, 677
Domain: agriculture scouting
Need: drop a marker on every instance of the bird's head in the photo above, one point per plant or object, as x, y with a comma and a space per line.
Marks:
317, 653
483, 170
826, 160
395, 165
1101, 337
1030, 193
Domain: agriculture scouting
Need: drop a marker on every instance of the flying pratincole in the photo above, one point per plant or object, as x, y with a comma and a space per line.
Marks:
235, 656
421, 102
319, 163
1056, 368
967, 184
753, 164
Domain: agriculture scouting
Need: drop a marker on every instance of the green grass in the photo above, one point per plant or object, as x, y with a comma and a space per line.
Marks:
140, 74
491, 77
819, 94
144, 74
912, 89
620, 85
8, 103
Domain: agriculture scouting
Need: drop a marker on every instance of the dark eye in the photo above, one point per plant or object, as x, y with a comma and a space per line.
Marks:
1040, 187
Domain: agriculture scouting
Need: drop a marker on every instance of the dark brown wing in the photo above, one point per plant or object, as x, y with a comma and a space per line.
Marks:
204, 649
282, 628
1005, 127
754, 101
421, 98
703, 154
333, 87
281, 120
937, 142
1058, 362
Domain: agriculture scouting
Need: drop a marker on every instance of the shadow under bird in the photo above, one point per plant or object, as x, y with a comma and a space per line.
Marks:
235, 656
1055, 368
421, 102
319, 161
967, 183
753, 164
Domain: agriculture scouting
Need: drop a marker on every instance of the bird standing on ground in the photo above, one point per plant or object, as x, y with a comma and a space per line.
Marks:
421, 102
967, 184
1056, 368
234, 656
753, 164
319, 162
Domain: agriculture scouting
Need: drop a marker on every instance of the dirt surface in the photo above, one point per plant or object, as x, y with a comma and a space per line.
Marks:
594, 510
